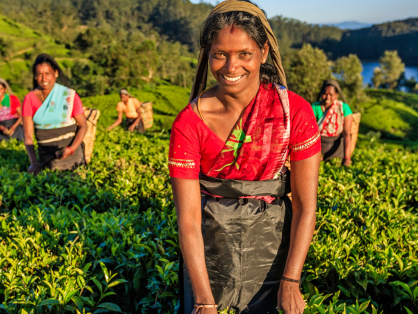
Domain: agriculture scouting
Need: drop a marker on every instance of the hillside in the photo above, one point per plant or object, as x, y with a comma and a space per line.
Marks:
370, 43
20, 40
20, 44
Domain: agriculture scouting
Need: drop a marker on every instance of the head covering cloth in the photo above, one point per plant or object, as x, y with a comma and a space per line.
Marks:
199, 84
42, 58
6, 85
124, 91
336, 86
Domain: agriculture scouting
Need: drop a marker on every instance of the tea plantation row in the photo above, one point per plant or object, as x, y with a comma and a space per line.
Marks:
63, 236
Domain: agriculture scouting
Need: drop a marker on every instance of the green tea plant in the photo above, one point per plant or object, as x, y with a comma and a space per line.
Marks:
103, 238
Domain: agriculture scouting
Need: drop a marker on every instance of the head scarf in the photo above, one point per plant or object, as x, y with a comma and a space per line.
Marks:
337, 87
124, 91
199, 83
46, 57
6, 85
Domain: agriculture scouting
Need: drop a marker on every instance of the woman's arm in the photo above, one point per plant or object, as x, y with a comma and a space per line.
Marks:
189, 217
304, 183
348, 120
28, 129
12, 129
137, 120
117, 122
79, 137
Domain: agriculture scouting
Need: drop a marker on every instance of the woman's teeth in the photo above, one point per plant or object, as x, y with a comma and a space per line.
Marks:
232, 79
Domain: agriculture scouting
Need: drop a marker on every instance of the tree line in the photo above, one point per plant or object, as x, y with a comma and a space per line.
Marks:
124, 43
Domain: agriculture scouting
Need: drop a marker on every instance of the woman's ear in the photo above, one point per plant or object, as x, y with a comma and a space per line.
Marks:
265, 52
56, 73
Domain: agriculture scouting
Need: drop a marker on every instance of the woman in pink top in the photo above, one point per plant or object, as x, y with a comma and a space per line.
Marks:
10, 114
55, 114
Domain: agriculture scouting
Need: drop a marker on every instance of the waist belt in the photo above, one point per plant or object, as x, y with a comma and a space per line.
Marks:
238, 188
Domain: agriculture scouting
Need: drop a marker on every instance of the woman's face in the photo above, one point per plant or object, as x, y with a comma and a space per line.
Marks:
124, 98
2, 90
235, 59
45, 76
330, 95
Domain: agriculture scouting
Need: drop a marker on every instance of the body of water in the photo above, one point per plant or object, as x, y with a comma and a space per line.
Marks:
368, 68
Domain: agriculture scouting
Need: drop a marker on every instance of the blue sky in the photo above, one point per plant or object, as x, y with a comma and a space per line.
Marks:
327, 11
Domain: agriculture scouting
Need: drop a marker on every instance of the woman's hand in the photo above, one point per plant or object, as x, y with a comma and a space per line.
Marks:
4, 130
131, 128
205, 311
289, 298
64, 153
34, 169
347, 162
11, 131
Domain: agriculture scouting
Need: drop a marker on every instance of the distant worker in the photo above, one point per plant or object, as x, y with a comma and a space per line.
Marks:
10, 114
334, 118
55, 113
132, 109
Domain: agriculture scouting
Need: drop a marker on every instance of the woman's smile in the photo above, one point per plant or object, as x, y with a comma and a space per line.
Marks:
231, 79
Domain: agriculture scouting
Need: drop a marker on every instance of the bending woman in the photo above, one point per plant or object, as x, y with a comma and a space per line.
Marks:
10, 114
131, 107
334, 119
55, 113
242, 242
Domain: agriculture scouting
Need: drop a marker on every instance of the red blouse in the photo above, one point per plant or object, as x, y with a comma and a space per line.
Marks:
194, 146
31, 104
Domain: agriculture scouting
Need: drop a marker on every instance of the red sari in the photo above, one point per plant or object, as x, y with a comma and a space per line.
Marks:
246, 215
275, 124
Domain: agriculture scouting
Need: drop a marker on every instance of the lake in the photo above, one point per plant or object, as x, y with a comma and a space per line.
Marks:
368, 68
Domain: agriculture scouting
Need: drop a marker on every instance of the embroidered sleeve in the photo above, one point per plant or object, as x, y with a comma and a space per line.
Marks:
305, 140
184, 154
305, 144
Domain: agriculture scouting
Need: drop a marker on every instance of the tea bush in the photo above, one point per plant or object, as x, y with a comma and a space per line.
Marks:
104, 237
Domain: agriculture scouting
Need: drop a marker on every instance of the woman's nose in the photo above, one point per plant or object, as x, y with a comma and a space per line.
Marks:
231, 64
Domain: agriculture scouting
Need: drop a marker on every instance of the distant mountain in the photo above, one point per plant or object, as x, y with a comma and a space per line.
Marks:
350, 25
370, 43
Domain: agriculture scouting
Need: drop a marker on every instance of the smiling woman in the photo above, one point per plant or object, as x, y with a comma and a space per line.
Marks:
242, 241
55, 113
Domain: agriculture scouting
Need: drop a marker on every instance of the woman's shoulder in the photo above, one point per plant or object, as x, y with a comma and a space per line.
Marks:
14, 98
316, 104
186, 118
297, 102
30, 96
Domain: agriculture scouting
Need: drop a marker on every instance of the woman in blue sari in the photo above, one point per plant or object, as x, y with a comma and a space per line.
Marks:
55, 114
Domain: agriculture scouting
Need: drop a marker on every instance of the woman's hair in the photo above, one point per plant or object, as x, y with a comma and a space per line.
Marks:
47, 59
249, 23
6, 86
124, 91
335, 89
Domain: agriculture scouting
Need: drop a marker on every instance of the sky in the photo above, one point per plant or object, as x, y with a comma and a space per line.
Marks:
336, 11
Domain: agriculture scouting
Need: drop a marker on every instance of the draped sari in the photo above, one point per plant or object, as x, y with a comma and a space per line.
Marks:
246, 215
55, 129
